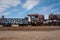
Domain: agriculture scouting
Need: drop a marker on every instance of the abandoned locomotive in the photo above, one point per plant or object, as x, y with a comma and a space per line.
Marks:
35, 20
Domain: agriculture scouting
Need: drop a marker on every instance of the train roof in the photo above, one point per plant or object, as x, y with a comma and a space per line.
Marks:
34, 14
12, 18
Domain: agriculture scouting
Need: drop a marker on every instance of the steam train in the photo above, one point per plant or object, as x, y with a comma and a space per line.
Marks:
35, 20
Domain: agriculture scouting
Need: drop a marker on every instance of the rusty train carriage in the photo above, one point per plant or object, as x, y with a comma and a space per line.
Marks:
35, 20
54, 19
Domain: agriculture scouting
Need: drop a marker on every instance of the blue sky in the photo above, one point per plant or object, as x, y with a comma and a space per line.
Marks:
20, 8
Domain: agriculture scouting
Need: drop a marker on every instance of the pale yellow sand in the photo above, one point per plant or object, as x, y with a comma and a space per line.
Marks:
30, 35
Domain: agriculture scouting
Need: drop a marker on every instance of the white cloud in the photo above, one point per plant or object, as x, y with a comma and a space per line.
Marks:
4, 4
30, 4
10, 2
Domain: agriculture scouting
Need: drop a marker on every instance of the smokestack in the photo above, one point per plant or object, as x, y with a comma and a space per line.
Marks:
3, 16
26, 18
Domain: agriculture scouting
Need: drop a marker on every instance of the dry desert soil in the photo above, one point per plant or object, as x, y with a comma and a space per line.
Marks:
30, 35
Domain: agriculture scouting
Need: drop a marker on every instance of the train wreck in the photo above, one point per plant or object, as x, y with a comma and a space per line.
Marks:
54, 19
35, 20
13, 21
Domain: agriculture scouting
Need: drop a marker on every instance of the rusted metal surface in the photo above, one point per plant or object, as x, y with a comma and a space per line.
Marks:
36, 18
58, 16
54, 16
54, 19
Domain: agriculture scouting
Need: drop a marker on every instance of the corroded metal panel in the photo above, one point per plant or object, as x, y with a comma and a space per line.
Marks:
54, 16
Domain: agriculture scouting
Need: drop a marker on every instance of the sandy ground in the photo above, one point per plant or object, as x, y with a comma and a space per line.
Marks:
30, 35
